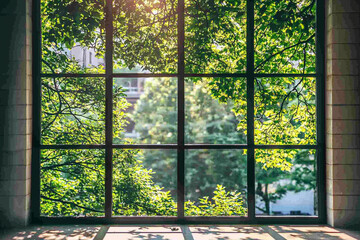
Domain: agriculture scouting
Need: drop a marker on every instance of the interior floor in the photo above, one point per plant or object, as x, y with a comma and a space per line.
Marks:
177, 232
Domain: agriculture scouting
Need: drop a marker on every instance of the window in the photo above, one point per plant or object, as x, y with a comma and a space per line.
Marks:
188, 111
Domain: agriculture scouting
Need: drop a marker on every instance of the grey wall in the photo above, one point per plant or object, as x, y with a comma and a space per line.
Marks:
343, 112
15, 112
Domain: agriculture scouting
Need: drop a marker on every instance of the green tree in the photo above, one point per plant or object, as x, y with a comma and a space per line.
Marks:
145, 35
272, 184
72, 181
206, 121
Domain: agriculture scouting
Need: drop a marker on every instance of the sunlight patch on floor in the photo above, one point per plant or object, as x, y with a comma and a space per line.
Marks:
181, 232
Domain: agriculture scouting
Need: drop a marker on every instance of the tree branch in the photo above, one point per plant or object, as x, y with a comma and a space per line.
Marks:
283, 50
67, 202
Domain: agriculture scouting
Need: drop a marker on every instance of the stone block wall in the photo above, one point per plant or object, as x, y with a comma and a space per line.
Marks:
343, 112
15, 112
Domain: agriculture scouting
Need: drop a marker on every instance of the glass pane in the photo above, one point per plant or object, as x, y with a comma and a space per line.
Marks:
73, 111
285, 111
145, 110
72, 183
215, 36
215, 182
285, 182
215, 110
73, 37
145, 36
144, 182
285, 36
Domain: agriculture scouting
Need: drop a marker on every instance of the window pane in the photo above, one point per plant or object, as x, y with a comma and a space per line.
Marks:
285, 182
145, 36
215, 36
285, 111
72, 183
144, 182
285, 36
145, 110
215, 183
73, 37
215, 110
73, 111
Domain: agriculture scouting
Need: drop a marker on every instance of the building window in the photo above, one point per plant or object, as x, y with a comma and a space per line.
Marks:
193, 111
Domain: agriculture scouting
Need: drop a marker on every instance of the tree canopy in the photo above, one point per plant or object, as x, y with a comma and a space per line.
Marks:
145, 37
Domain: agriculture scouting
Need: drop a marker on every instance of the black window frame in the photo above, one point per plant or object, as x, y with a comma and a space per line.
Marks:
181, 147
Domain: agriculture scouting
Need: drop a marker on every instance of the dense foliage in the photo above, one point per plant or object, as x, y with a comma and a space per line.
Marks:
145, 35
206, 121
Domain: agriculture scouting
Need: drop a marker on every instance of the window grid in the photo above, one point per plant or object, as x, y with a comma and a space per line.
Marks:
250, 76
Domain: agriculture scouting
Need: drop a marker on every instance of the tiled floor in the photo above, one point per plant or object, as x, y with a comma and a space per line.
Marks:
179, 232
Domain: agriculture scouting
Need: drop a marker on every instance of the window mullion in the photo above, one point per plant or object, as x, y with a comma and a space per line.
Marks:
108, 107
36, 117
320, 109
181, 111
250, 108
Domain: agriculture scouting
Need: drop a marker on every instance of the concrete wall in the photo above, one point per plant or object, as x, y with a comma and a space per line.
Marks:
15, 112
343, 112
